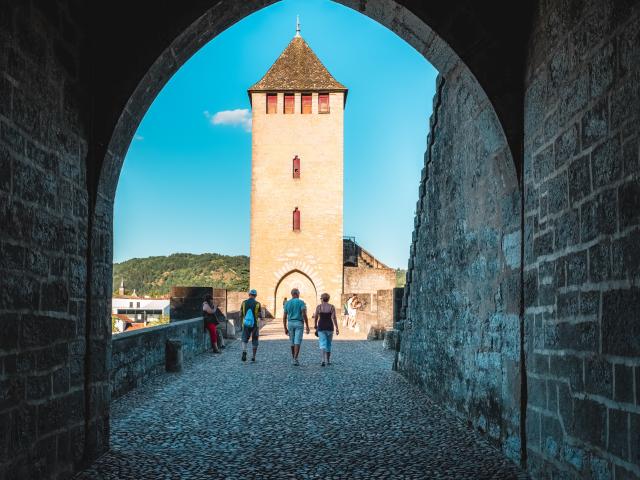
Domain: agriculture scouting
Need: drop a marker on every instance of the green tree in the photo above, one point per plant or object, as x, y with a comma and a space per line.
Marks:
401, 277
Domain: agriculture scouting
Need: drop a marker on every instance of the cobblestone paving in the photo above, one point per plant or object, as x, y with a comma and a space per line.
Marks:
221, 418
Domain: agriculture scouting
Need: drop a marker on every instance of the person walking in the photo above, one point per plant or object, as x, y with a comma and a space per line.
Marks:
324, 321
295, 312
210, 321
250, 314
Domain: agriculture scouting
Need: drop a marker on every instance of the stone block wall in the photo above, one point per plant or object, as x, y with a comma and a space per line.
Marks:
384, 310
186, 302
138, 355
365, 279
461, 337
220, 299
582, 247
43, 241
234, 302
377, 309
398, 296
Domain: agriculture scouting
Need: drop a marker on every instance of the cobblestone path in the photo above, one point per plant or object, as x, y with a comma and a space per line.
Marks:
221, 418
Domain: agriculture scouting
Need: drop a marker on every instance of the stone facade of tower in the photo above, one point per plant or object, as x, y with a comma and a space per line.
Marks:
283, 257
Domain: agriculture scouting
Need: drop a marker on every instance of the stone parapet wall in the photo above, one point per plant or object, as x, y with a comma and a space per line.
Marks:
186, 302
138, 355
234, 302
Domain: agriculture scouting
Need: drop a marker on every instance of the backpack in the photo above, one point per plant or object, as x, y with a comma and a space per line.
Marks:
249, 319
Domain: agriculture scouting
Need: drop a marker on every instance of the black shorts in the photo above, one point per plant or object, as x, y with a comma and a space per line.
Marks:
252, 332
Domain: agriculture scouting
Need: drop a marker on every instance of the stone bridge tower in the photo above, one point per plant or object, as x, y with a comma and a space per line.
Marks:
297, 179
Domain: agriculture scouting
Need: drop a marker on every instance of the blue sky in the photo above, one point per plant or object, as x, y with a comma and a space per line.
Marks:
186, 181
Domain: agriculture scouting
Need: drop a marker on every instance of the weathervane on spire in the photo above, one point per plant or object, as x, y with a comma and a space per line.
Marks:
297, 25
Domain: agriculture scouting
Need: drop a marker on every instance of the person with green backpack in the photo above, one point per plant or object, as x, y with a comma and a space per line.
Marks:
250, 313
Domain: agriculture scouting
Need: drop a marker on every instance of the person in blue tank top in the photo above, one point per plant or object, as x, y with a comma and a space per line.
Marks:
295, 313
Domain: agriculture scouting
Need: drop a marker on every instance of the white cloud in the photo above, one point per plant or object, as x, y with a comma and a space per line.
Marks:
137, 137
240, 117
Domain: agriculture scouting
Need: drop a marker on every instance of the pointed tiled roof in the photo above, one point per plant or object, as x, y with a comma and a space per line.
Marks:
298, 68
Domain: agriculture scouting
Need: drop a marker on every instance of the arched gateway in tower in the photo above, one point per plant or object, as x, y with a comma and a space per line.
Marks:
297, 179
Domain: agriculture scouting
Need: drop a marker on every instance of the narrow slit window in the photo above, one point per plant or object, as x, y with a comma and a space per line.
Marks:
296, 167
323, 103
306, 102
272, 103
296, 220
288, 103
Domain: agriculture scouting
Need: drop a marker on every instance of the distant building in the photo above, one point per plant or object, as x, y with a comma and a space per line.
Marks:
140, 309
123, 323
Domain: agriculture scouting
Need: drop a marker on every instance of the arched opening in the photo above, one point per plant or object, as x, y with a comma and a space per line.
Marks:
490, 220
301, 281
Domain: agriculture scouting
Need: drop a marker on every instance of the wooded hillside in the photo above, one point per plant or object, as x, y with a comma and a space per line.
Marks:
156, 275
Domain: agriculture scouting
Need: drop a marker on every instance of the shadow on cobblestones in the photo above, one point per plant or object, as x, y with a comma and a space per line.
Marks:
222, 418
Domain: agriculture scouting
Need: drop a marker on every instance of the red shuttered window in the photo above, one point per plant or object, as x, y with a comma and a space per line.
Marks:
288, 103
272, 103
323, 103
296, 167
296, 220
306, 103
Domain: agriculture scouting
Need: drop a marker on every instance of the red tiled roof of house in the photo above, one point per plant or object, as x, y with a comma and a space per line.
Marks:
122, 317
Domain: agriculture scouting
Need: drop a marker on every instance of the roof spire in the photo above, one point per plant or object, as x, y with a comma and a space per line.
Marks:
297, 25
297, 68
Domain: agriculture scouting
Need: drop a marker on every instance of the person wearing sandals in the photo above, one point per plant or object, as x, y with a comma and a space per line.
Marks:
324, 322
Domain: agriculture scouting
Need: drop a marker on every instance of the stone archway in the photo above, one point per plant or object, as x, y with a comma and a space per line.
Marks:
477, 102
389, 13
556, 83
301, 281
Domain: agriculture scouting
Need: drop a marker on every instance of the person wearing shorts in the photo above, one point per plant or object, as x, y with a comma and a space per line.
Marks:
295, 313
325, 320
250, 332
